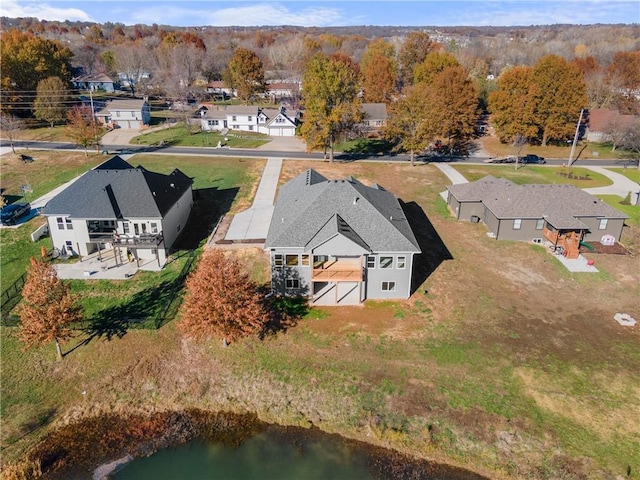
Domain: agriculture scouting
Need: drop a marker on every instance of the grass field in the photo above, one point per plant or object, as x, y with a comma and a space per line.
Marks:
220, 185
533, 174
179, 136
502, 361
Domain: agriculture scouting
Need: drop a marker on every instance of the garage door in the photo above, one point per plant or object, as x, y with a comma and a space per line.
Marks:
341, 293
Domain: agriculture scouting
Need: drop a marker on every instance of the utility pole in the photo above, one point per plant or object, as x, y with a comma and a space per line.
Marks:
575, 138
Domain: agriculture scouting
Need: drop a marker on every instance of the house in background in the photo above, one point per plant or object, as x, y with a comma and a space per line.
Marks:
126, 211
563, 215
339, 242
272, 122
99, 82
125, 113
375, 118
602, 120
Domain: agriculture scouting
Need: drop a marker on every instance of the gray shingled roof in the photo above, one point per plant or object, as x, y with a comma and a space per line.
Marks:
559, 204
115, 189
125, 104
375, 111
310, 208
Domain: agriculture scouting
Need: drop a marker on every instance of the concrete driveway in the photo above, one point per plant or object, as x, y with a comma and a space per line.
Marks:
621, 186
253, 223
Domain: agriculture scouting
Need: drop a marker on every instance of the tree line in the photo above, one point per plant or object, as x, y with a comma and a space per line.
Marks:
434, 90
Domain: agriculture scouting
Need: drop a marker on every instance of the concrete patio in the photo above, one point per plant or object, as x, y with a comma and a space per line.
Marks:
103, 267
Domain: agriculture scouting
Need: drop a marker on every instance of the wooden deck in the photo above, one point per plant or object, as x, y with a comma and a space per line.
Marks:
338, 272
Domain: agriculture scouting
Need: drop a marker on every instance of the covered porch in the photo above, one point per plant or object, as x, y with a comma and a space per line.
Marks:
337, 281
565, 234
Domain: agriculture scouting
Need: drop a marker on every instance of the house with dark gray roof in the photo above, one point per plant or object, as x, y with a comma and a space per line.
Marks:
561, 214
339, 242
131, 212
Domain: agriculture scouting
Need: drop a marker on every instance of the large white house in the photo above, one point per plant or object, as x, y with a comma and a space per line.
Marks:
273, 122
135, 213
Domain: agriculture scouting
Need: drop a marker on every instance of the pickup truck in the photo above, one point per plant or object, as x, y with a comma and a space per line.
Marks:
532, 159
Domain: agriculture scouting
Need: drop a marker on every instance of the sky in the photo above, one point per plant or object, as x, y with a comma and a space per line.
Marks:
326, 13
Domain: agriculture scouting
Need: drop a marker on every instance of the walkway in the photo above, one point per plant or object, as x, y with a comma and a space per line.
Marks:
253, 224
622, 186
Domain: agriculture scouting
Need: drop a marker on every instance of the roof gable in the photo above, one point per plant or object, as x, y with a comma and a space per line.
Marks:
371, 216
110, 193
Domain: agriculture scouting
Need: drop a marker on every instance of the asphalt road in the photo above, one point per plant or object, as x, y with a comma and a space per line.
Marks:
341, 157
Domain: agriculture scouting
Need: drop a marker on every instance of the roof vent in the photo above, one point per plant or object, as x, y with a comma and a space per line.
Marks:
172, 185
355, 200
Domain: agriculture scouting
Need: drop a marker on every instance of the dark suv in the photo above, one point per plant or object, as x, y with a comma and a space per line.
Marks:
10, 213
532, 159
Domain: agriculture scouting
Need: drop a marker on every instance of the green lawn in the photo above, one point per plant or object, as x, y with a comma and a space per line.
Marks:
220, 185
179, 136
535, 174
632, 210
17, 249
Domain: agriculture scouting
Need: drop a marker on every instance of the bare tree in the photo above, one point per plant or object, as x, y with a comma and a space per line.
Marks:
11, 126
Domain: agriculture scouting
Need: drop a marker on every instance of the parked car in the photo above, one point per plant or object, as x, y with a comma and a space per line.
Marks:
509, 159
11, 213
532, 159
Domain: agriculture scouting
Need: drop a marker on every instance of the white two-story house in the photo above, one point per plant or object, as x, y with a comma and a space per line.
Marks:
128, 211
272, 122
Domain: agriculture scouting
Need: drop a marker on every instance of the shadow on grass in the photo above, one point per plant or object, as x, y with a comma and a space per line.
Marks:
209, 205
434, 251
285, 312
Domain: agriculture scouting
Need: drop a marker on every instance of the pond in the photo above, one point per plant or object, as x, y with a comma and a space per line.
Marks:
202, 445
284, 454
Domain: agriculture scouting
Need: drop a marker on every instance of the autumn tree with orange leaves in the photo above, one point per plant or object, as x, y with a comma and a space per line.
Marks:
47, 308
221, 300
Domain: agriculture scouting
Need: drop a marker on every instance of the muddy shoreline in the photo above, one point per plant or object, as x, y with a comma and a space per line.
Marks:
95, 447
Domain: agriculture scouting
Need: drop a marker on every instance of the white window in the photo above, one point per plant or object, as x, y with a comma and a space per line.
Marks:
234, 118
305, 260
292, 283
371, 261
250, 127
60, 222
603, 223
386, 262
278, 259
69, 224
212, 123
250, 118
402, 262
539, 224
292, 260
68, 246
125, 228
388, 286
235, 127
517, 223
154, 227
136, 228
